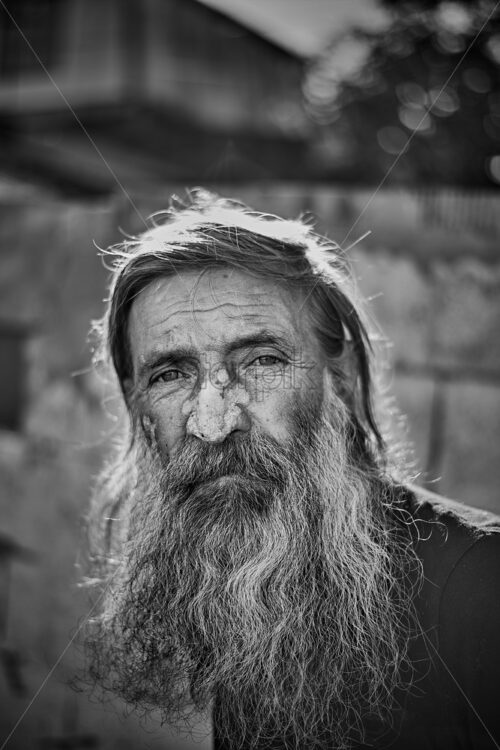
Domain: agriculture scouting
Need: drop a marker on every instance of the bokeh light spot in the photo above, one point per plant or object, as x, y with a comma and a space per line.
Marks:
493, 48
416, 118
411, 93
392, 139
453, 17
493, 167
477, 80
449, 43
444, 103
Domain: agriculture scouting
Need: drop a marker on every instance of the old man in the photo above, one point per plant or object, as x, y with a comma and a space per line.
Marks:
260, 554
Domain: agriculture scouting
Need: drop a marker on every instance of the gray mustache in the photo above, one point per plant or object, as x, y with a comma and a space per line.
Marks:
254, 458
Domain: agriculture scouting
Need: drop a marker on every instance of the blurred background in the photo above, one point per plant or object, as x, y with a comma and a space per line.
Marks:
373, 115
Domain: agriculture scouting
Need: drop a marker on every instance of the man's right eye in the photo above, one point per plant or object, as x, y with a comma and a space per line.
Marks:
167, 376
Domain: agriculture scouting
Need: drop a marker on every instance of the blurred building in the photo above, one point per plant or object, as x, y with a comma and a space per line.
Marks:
168, 89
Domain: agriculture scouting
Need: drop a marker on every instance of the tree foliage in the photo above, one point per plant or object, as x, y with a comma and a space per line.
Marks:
418, 101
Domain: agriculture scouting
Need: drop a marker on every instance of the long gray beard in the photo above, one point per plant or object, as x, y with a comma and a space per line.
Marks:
275, 596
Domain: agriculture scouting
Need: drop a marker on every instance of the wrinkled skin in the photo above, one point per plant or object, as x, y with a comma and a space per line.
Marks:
220, 353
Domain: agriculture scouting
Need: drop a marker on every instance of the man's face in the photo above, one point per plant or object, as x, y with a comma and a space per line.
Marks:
250, 567
220, 353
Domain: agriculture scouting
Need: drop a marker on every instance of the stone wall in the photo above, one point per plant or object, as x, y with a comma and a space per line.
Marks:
431, 267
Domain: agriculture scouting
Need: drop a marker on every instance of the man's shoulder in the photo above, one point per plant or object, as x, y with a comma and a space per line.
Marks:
443, 530
457, 653
448, 537
428, 507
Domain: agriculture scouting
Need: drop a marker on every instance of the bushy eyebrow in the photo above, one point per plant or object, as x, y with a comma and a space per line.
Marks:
262, 338
177, 355
165, 357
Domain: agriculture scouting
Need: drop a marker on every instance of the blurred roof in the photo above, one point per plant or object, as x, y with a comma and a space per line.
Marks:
302, 27
160, 130
137, 146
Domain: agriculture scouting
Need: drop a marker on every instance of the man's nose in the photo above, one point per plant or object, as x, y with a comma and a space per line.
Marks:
217, 412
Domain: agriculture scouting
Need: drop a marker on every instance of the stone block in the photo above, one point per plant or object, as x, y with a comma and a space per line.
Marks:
400, 303
81, 287
52, 279
64, 414
30, 260
470, 466
467, 316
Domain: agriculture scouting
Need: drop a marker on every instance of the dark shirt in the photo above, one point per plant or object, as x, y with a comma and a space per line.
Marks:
454, 700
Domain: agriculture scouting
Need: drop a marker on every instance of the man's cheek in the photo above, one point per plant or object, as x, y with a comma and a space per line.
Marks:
161, 430
272, 415
264, 385
301, 379
148, 429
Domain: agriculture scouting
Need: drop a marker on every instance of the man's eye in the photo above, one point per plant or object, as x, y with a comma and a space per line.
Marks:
267, 360
167, 376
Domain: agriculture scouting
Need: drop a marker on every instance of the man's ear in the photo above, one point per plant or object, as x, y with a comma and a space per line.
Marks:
344, 370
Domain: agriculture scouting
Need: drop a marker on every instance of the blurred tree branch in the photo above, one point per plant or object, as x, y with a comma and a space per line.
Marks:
428, 86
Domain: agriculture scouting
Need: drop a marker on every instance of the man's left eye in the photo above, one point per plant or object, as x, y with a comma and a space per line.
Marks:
267, 360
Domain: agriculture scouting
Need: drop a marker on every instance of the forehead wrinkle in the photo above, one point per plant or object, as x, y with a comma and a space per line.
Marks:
172, 329
237, 305
159, 316
168, 325
186, 337
219, 297
172, 307
194, 317
215, 332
